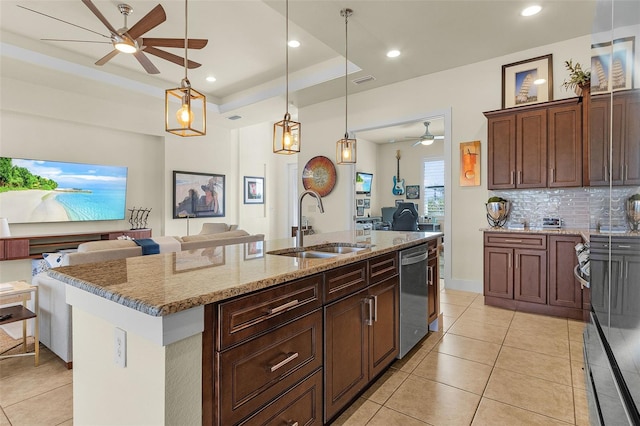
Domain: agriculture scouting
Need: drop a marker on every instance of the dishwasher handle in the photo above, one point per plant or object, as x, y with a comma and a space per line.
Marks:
410, 260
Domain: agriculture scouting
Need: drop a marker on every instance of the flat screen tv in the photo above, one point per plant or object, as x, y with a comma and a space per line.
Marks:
363, 182
53, 191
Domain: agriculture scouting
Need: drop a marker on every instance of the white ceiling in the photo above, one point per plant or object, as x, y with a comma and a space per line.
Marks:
246, 50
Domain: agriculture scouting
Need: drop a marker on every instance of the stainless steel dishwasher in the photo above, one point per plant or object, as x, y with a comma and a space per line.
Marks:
414, 312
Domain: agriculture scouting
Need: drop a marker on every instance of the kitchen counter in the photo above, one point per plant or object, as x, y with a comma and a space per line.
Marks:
585, 233
164, 284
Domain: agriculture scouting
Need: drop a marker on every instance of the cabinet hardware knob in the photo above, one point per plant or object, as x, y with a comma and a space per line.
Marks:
282, 307
290, 357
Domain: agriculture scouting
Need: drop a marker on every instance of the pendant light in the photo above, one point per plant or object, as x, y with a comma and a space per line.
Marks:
286, 133
345, 147
190, 118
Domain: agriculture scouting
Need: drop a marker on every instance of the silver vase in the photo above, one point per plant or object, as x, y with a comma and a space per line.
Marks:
633, 214
497, 213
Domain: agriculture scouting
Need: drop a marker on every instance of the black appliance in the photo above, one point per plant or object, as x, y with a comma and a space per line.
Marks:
612, 336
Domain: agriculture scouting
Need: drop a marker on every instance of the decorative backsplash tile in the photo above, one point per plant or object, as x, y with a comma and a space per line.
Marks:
577, 207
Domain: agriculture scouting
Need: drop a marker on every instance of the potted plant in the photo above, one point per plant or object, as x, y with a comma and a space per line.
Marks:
578, 78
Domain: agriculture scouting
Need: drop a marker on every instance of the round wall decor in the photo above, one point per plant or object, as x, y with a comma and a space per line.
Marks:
319, 174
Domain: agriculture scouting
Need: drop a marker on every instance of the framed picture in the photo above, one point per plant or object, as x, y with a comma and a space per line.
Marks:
360, 211
253, 190
612, 65
198, 195
470, 163
412, 192
367, 203
253, 250
360, 202
527, 82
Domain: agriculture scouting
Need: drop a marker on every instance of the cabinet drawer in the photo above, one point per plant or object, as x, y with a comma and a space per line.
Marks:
343, 281
16, 248
252, 374
302, 405
503, 239
253, 314
383, 267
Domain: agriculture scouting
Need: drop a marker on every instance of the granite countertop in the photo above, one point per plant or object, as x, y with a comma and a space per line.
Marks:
585, 233
168, 283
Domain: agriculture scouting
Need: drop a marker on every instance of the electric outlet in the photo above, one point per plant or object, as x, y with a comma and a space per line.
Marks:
120, 347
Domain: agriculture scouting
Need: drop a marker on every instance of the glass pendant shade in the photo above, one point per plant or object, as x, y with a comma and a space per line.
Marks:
286, 136
346, 151
185, 111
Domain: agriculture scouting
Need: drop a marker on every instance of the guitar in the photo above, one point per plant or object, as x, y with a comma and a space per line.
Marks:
398, 184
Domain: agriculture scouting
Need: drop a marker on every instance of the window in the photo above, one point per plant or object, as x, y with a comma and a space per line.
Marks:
433, 187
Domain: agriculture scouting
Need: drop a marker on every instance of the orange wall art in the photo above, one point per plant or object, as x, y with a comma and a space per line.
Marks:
470, 163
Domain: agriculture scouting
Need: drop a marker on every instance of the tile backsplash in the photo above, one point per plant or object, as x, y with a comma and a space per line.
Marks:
577, 207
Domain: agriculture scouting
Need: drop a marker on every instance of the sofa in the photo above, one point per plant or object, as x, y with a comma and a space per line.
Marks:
55, 315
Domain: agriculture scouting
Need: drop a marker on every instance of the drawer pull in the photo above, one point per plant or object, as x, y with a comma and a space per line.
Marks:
290, 357
282, 307
512, 241
292, 423
620, 246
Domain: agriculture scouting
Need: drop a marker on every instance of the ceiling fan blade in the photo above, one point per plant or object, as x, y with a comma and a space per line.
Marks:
438, 137
58, 19
107, 57
75, 41
146, 63
148, 22
418, 142
170, 57
100, 16
194, 43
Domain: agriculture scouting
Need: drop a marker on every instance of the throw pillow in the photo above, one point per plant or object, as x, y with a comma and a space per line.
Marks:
53, 259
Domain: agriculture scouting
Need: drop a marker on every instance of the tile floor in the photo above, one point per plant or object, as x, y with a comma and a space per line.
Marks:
487, 366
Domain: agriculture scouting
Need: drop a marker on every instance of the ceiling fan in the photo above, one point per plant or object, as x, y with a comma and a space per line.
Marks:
130, 40
426, 138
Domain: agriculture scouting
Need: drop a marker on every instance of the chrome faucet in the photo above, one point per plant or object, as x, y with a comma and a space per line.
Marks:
299, 232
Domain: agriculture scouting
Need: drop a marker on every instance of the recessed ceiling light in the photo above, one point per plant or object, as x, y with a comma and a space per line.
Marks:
294, 43
539, 81
211, 79
393, 53
531, 10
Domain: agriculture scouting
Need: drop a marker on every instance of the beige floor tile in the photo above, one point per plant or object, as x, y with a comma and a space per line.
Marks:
576, 328
358, 414
22, 364
470, 349
447, 322
457, 372
581, 407
431, 340
478, 302
576, 349
531, 393
387, 417
385, 386
548, 326
4, 421
537, 342
67, 423
578, 375
411, 360
452, 310
49, 408
494, 413
535, 364
457, 299
488, 316
43, 378
433, 402
476, 330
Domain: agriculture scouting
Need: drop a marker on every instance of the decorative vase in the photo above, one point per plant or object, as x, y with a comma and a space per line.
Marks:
497, 213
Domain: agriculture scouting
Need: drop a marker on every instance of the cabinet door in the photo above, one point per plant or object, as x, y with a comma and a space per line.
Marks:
599, 118
565, 146
498, 272
384, 332
564, 289
618, 125
346, 352
501, 151
632, 140
433, 292
531, 149
530, 276
631, 290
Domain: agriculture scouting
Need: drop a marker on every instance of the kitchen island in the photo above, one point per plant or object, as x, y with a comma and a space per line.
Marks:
156, 338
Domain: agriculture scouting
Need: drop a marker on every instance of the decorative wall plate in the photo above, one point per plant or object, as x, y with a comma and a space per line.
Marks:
319, 174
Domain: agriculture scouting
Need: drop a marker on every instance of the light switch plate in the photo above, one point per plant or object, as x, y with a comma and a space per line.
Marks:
120, 347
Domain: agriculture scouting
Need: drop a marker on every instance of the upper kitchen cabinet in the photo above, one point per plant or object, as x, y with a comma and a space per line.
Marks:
535, 146
621, 166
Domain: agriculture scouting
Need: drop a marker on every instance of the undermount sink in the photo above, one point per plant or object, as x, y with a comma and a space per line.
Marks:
322, 250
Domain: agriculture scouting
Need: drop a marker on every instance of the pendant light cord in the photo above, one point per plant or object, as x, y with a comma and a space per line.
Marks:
186, 40
346, 60
287, 57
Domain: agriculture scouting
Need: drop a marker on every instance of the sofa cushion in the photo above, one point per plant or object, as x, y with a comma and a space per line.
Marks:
105, 245
214, 228
221, 235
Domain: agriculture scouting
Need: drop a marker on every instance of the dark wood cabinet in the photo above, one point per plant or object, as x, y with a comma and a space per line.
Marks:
498, 272
433, 280
384, 333
564, 290
535, 146
613, 147
530, 276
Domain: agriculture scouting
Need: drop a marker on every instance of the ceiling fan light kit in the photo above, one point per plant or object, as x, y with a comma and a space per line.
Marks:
286, 133
346, 147
187, 116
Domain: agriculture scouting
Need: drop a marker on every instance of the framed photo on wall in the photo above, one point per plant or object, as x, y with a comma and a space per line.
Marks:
367, 203
198, 195
612, 65
253, 190
360, 211
470, 163
413, 192
527, 82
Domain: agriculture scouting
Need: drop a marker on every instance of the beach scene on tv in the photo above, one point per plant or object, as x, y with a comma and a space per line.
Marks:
52, 191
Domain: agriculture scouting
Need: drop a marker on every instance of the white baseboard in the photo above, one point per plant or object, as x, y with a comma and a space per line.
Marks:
464, 285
